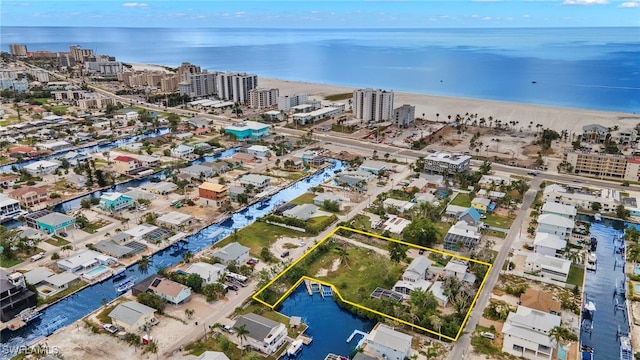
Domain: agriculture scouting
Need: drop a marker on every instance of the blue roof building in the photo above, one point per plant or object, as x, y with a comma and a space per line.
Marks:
471, 216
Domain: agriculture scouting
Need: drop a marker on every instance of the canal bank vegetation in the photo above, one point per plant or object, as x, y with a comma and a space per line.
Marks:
219, 342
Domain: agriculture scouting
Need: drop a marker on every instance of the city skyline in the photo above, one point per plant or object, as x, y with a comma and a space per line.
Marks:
324, 14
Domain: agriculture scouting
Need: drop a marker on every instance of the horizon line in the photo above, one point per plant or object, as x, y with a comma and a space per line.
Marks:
324, 28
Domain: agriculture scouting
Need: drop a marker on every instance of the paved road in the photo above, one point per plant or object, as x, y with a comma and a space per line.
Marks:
461, 346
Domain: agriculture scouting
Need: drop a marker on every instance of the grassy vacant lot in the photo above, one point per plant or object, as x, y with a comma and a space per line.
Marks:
57, 241
221, 344
259, 235
306, 198
503, 222
6, 263
341, 96
361, 222
461, 200
576, 276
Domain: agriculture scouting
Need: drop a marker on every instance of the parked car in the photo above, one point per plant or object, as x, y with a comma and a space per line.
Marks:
232, 287
421, 251
110, 328
284, 254
533, 173
253, 261
228, 329
63, 234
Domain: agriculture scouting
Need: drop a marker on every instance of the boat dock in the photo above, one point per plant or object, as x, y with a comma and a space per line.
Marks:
305, 339
13, 324
356, 332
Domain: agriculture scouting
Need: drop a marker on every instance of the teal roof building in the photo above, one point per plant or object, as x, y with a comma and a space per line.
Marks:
248, 130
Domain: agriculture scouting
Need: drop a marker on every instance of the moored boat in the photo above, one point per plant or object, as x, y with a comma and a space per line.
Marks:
126, 285
626, 353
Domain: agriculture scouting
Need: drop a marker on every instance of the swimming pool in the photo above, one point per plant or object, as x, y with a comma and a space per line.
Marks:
638, 269
636, 289
95, 272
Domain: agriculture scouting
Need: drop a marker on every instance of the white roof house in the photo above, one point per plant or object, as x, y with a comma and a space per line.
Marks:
37, 275
302, 212
131, 315
417, 270
438, 291
258, 181
208, 272
549, 244
212, 355
233, 252
383, 342
373, 166
42, 167
563, 210
79, 260
395, 224
527, 332
140, 231
399, 205
62, 280
555, 224
548, 266
175, 219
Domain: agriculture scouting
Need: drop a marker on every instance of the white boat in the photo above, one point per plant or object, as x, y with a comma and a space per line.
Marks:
29, 314
598, 217
626, 353
295, 348
126, 285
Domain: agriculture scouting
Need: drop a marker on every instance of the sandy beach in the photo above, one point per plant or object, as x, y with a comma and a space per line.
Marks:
556, 118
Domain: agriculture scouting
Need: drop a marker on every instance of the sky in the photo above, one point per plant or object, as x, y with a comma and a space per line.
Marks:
323, 14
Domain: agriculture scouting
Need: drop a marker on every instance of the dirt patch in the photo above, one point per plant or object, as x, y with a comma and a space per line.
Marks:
531, 150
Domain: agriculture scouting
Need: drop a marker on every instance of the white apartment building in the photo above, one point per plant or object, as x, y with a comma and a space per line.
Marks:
404, 116
444, 162
526, 333
261, 98
316, 115
373, 105
235, 86
286, 102
8, 206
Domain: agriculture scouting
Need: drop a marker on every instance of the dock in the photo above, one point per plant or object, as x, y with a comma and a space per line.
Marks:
307, 283
13, 324
305, 339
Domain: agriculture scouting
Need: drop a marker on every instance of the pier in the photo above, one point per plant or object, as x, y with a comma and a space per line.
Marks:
356, 332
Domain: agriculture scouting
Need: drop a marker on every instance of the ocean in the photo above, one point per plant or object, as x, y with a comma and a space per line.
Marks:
586, 68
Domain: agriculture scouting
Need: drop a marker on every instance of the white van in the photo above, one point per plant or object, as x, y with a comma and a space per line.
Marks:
37, 257
488, 335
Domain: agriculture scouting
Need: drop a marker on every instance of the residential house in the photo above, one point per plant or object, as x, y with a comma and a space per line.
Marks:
212, 355
471, 216
42, 167
219, 167
37, 275
133, 147
119, 246
82, 260
182, 151
301, 212
233, 252
458, 268
454, 211
213, 194
549, 244
61, 281
9, 207
374, 167
126, 130
126, 165
175, 293
263, 334
258, 150
395, 224
29, 195
559, 209
437, 289
424, 197
8, 181
414, 276
555, 224
433, 180
244, 158
161, 188
255, 180
15, 295
55, 145
148, 161
481, 204
115, 202
594, 133
198, 171
210, 273
234, 191
383, 342
175, 220
55, 223
399, 205
183, 136
76, 181
139, 194
548, 266
541, 301
132, 316
462, 234
322, 197
527, 333
418, 185
75, 158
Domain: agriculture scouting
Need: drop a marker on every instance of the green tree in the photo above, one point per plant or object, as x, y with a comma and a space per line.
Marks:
242, 332
421, 232
173, 120
152, 300
143, 264
397, 252
596, 206
189, 313
622, 212
194, 281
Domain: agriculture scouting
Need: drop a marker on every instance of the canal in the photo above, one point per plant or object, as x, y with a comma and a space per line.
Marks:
80, 304
88, 149
600, 287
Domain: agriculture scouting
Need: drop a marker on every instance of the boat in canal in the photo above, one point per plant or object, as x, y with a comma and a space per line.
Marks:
126, 285
592, 262
586, 352
29, 314
593, 244
626, 353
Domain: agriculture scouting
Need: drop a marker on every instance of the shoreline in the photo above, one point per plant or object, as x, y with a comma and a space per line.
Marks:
554, 117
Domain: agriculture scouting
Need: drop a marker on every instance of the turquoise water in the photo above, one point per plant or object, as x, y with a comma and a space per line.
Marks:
329, 325
637, 269
96, 271
636, 289
562, 352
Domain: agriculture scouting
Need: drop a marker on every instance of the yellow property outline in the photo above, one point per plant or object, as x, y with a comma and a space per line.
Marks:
335, 290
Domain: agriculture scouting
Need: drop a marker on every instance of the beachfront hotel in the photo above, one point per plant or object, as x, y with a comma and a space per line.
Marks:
373, 105
604, 165
404, 116
286, 102
199, 85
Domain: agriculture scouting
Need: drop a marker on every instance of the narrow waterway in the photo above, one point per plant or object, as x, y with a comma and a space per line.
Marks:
600, 288
75, 307
88, 149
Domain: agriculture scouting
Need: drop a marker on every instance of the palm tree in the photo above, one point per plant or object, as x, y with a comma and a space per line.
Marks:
187, 257
242, 332
143, 264
344, 256
189, 313
436, 322
66, 249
